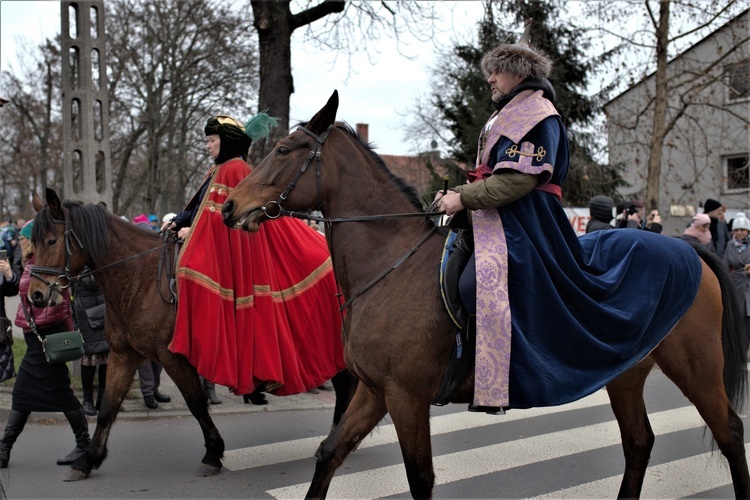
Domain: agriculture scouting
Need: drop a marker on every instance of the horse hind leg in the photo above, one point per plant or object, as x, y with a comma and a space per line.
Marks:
120, 370
185, 377
695, 365
626, 399
364, 413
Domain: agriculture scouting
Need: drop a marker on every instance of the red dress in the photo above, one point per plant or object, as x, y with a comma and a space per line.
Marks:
256, 307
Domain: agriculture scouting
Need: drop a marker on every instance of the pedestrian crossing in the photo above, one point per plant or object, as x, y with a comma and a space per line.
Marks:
677, 478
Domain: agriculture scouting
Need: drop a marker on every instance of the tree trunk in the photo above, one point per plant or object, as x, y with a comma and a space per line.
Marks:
660, 108
273, 23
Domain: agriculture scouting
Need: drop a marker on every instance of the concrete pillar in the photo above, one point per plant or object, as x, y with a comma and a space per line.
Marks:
87, 170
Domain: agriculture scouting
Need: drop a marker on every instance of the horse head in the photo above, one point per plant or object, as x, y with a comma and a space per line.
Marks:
58, 251
279, 178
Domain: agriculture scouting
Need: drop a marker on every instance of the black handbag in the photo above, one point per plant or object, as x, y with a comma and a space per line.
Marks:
6, 332
58, 347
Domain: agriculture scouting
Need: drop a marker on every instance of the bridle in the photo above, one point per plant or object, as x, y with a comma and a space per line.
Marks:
64, 279
273, 209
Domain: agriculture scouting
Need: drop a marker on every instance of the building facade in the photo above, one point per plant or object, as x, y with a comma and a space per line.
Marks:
706, 150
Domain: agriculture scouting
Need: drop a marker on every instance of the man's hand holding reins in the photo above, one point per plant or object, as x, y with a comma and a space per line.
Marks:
450, 202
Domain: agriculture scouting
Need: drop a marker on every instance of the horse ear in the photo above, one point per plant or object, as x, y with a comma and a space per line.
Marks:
326, 116
54, 204
36, 202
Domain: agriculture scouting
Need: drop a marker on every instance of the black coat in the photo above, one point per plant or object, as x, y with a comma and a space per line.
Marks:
88, 306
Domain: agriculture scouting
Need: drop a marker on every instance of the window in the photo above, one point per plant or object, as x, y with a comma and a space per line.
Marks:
739, 80
737, 172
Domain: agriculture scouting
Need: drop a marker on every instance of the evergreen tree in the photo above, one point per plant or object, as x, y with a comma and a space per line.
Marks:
463, 102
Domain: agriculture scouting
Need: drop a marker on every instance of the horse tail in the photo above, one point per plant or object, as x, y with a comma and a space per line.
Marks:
733, 335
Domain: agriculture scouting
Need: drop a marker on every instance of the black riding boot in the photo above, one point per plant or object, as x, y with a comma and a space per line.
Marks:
16, 422
210, 389
80, 426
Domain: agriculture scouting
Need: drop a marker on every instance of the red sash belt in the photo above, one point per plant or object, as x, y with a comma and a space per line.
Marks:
551, 189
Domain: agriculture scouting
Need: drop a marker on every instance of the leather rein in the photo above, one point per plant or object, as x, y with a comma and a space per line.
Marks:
274, 209
64, 279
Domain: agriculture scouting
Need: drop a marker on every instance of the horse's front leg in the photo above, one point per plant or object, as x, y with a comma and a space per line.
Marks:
363, 414
186, 379
120, 370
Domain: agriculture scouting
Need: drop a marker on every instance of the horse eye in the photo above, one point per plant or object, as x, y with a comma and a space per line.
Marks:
281, 150
51, 242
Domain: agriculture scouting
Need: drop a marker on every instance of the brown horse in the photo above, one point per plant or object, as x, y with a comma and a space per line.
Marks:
399, 336
129, 263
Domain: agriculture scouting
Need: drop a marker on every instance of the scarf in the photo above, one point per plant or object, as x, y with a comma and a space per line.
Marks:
703, 236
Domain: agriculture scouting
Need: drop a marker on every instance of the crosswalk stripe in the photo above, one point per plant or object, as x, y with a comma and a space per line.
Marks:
391, 480
301, 449
675, 479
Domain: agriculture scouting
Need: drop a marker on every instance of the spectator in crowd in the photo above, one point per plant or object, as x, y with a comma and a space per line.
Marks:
41, 386
600, 211
719, 230
88, 307
698, 232
737, 257
149, 375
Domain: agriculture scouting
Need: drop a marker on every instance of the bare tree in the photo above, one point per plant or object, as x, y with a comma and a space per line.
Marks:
347, 28
647, 36
172, 65
31, 155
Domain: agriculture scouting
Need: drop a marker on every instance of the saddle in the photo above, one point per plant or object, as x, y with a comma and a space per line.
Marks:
458, 248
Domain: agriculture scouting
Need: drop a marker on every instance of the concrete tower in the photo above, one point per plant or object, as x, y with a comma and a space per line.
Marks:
86, 160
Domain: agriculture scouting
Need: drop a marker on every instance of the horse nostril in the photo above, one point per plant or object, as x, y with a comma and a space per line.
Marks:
37, 298
227, 209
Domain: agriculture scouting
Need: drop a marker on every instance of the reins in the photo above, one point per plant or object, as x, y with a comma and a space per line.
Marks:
273, 210
64, 274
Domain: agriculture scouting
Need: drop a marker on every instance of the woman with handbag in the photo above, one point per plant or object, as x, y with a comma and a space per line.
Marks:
88, 307
41, 386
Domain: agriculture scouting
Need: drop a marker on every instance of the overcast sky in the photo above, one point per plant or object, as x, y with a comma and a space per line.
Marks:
374, 92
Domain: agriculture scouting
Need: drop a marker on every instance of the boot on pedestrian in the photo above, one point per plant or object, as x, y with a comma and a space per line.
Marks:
80, 426
210, 389
16, 422
88, 402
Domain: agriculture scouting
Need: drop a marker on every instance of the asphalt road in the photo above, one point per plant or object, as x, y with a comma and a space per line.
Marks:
572, 451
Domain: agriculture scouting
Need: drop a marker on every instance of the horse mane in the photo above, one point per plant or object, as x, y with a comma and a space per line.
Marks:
405, 187
96, 227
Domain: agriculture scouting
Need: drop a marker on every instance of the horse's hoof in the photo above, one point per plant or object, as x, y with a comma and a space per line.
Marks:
205, 470
75, 475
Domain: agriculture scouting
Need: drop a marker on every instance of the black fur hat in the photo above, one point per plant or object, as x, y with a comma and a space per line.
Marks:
519, 59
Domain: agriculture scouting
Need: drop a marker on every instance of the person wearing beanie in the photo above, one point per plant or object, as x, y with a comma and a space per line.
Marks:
697, 232
559, 300
737, 259
720, 234
256, 311
41, 386
600, 211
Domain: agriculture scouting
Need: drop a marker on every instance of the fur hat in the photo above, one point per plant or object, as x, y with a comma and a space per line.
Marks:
740, 222
519, 59
236, 138
711, 205
701, 219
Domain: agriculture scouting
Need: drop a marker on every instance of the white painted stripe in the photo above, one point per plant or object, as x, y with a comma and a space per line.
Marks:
458, 466
301, 449
676, 479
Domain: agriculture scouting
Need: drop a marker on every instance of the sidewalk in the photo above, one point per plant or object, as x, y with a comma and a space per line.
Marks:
134, 409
